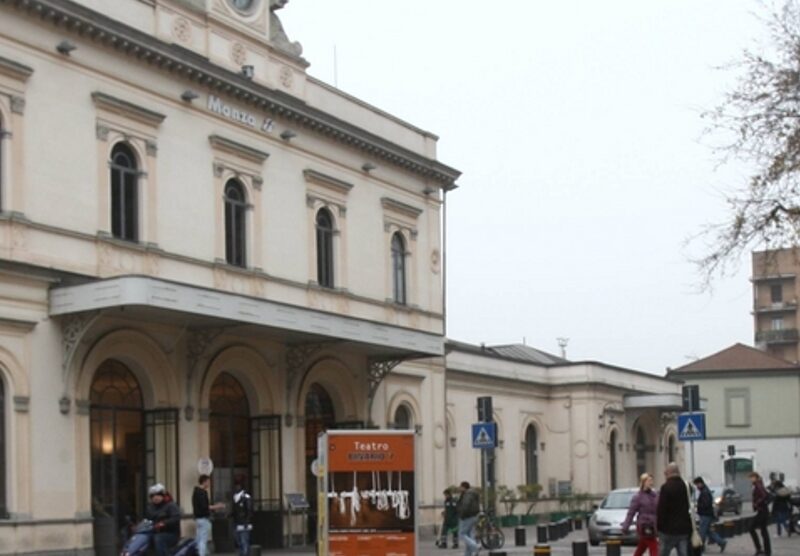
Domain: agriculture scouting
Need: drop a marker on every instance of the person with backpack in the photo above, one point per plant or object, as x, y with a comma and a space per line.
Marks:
781, 506
468, 506
450, 521
242, 513
761, 519
705, 511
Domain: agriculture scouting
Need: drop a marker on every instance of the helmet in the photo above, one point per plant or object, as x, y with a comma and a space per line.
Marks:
157, 488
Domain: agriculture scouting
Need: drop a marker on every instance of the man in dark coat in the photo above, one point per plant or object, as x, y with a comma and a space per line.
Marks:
469, 506
166, 518
672, 513
707, 515
761, 519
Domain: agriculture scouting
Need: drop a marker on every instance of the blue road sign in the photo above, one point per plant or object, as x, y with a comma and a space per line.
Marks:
484, 435
691, 426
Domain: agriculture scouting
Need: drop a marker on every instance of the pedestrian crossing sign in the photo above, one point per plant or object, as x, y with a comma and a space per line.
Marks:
691, 426
484, 435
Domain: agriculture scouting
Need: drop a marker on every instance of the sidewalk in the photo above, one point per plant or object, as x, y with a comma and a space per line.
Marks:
737, 546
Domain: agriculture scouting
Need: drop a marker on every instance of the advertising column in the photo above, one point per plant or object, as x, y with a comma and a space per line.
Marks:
370, 489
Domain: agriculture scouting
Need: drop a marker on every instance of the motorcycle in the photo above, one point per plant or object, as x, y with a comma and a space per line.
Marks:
142, 538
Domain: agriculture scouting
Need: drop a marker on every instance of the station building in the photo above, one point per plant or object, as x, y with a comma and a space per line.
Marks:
206, 253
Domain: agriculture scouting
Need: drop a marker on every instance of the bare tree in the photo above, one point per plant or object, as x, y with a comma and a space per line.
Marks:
761, 118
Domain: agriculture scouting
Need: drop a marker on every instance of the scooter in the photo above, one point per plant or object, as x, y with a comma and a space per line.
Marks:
142, 538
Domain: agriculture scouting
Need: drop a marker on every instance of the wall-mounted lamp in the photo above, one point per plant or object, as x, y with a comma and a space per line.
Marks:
541, 446
288, 135
452, 441
65, 47
188, 95
368, 167
64, 405
428, 190
248, 71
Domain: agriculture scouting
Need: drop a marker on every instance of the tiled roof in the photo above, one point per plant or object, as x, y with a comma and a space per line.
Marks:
738, 357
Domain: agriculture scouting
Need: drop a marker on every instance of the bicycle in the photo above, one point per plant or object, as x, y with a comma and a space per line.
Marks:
488, 533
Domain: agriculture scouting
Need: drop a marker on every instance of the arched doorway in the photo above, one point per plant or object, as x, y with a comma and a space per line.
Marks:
612, 458
531, 456
319, 417
117, 453
229, 431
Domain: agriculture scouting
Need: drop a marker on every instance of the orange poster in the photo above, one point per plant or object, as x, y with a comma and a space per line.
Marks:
371, 509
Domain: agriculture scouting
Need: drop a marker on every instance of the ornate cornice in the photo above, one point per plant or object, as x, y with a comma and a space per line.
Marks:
127, 109
238, 149
392, 205
334, 184
191, 66
15, 70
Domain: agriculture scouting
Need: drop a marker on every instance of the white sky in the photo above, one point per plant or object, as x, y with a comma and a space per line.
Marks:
577, 127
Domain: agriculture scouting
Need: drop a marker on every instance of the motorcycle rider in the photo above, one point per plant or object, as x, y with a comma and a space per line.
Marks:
166, 518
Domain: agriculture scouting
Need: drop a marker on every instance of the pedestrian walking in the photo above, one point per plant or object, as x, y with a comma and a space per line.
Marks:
449, 520
201, 509
761, 519
781, 506
468, 506
242, 513
707, 515
672, 513
643, 507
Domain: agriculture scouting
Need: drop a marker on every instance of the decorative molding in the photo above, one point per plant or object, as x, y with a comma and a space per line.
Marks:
334, 184
312, 200
22, 404
127, 109
102, 131
258, 182
203, 415
70, 17
377, 370
83, 407
392, 205
237, 149
73, 330
17, 104
15, 70
151, 148
219, 169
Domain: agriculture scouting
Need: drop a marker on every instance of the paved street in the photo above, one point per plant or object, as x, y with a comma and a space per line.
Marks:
737, 546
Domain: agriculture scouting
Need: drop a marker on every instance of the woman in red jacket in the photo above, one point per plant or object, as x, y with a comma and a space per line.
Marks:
643, 506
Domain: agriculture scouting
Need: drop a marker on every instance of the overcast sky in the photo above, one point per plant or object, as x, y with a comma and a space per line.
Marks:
577, 127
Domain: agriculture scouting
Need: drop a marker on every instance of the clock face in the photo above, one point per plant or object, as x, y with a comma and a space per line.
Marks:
244, 6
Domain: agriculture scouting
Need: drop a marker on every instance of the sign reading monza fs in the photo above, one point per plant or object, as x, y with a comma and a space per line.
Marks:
243, 117
367, 494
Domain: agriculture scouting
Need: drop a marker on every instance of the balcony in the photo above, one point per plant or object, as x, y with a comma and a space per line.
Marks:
784, 336
785, 307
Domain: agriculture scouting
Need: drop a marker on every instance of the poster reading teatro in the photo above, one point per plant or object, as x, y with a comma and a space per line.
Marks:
367, 497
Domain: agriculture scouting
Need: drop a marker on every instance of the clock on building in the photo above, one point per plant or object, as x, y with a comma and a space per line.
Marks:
243, 6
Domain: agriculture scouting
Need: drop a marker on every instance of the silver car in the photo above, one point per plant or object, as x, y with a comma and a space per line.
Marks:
606, 521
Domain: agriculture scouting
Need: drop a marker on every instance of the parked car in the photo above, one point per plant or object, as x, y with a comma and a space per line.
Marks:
606, 521
726, 500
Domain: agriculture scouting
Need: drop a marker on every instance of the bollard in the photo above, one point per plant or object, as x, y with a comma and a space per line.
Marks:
580, 548
570, 525
255, 550
497, 553
519, 536
563, 529
552, 531
542, 550
728, 529
613, 547
541, 534
578, 523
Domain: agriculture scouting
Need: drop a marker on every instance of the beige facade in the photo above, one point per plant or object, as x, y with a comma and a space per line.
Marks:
204, 252
775, 309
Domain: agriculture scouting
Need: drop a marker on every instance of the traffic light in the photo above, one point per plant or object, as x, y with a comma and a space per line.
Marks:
691, 397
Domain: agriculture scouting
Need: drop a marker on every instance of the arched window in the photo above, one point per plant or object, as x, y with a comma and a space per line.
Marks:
124, 194
235, 225
399, 268
531, 456
325, 248
612, 458
671, 449
402, 418
641, 453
